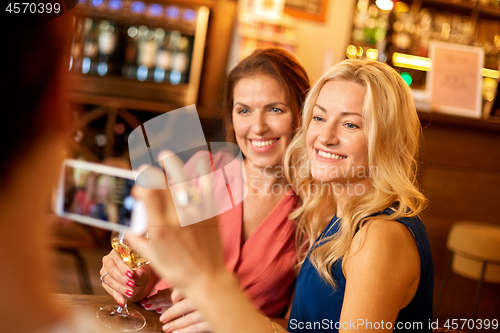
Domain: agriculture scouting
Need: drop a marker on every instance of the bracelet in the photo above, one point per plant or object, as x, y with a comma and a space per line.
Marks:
273, 325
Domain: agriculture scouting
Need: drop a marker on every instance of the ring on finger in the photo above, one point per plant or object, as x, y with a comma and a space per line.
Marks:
187, 195
102, 278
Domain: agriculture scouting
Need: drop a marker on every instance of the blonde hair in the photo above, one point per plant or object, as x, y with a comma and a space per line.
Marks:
108, 182
393, 134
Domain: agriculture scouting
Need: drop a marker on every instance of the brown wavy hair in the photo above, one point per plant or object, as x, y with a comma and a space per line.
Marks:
278, 64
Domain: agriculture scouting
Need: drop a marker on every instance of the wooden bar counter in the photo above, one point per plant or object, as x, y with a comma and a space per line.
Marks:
89, 305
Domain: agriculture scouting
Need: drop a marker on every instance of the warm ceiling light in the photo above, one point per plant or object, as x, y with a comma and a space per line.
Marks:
372, 54
385, 5
411, 61
490, 73
351, 51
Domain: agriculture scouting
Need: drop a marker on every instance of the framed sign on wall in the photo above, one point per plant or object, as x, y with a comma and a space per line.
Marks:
454, 81
307, 9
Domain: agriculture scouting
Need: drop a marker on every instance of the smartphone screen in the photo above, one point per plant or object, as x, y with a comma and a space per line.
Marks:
91, 195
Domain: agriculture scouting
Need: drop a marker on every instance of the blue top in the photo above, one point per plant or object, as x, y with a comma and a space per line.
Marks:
316, 306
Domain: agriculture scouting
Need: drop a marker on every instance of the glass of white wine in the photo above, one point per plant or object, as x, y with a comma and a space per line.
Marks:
121, 317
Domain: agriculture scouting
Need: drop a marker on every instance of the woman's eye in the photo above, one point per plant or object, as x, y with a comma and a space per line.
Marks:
317, 118
276, 110
351, 126
243, 111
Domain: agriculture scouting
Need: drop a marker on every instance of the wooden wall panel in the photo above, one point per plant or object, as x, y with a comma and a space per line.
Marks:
460, 176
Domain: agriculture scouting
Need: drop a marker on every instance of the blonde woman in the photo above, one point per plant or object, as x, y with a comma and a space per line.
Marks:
105, 208
368, 266
371, 262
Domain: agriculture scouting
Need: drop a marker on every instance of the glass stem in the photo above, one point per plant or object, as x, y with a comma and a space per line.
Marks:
123, 310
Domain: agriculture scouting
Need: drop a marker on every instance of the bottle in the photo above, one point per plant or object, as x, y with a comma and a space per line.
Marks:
164, 57
360, 17
107, 42
424, 28
129, 68
390, 46
180, 62
90, 48
371, 25
403, 27
146, 53
76, 56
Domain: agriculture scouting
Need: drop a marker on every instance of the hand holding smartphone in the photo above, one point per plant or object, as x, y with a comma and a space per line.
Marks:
99, 196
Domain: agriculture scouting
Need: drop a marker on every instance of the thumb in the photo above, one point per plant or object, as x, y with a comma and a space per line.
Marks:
140, 271
176, 295
142, 275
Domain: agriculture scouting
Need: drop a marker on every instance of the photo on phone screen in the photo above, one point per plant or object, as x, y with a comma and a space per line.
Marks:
96, 194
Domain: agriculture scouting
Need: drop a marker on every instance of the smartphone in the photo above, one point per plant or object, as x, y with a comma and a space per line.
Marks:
99, 196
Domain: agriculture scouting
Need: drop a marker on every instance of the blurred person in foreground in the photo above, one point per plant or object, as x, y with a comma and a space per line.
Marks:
32, 150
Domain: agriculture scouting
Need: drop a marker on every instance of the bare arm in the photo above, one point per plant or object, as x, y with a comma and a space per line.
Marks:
382, 271
231, 303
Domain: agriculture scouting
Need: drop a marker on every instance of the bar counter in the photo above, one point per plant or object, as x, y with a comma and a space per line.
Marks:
90, 304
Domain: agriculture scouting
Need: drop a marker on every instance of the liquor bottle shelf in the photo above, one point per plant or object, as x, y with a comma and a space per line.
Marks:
456, 4
489, 10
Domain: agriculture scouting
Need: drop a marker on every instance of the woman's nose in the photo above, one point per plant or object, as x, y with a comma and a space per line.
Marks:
260, 125
328, 136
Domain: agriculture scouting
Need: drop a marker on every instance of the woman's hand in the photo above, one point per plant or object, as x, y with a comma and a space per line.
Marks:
121, 281
159, 302
183, 255
183, 316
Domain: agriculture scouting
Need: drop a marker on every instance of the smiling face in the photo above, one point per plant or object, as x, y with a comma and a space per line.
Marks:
335, 139
262, 120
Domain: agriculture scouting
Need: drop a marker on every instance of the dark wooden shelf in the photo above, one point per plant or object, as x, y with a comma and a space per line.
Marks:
481, 9
428, 118
492, 11
465, 5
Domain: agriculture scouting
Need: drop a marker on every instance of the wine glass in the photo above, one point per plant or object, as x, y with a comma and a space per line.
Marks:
121, 317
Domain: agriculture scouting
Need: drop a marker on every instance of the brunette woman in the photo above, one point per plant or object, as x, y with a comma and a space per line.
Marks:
262, 100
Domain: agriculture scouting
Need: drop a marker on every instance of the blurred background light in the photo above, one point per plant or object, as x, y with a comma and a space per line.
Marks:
372, 54
407, 77
411, 61
385, 5
351, 51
